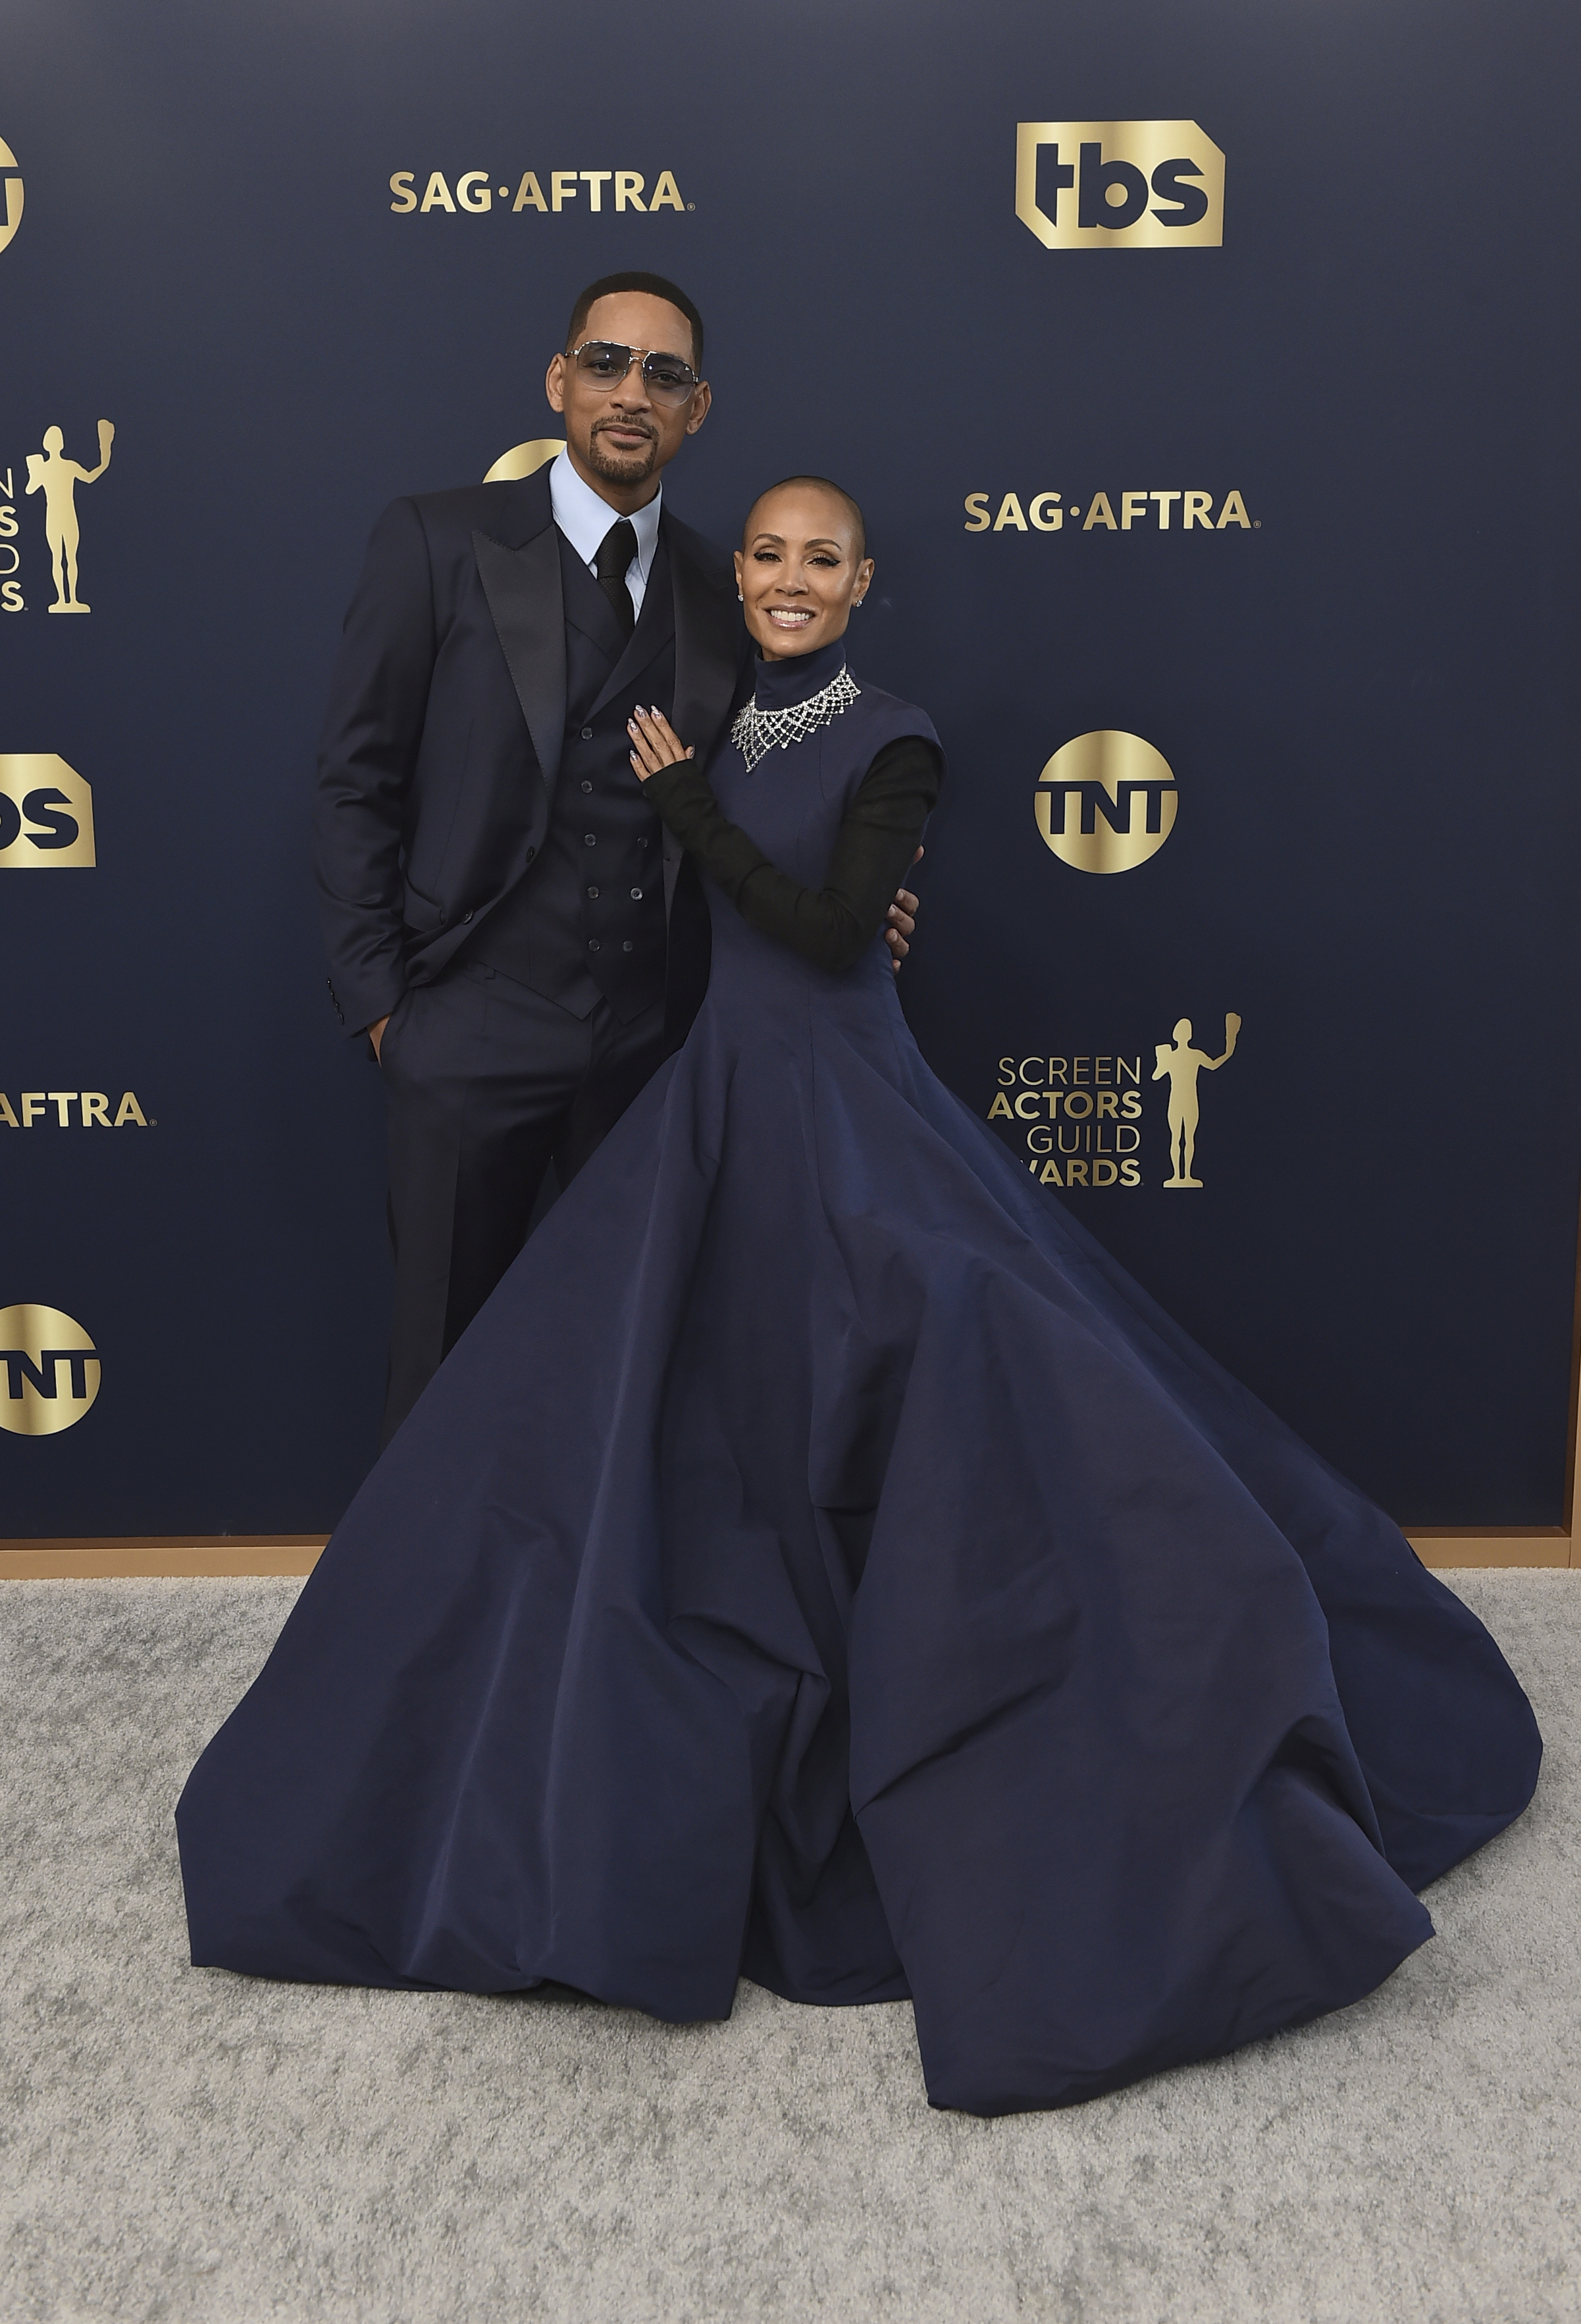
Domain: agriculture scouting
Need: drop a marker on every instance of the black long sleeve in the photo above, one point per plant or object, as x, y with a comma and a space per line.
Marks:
831, 926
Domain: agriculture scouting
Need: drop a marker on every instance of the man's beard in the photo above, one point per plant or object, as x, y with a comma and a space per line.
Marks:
621, 467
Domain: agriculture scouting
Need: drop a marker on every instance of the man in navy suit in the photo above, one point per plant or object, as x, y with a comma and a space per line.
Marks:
508, 921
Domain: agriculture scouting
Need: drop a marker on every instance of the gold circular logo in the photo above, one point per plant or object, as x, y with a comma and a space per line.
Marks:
49, 1373
1106, 802
524, 459
10, 194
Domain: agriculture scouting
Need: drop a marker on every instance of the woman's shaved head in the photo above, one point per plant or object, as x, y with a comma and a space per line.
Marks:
837, 493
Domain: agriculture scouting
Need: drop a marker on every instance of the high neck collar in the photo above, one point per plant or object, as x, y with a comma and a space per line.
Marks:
781, 684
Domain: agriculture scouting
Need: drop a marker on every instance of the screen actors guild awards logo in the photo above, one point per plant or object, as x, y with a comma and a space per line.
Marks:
10, 195
1083, 1112
50, 472
1181, 1064
1118, 185
46, 814
1106, 802
1080, 1117
12, 600
49, 1371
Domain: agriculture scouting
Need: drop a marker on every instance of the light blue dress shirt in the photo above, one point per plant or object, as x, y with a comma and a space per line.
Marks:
584, 519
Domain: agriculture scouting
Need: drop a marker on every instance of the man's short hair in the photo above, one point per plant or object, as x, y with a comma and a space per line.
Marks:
821, 485
652, 286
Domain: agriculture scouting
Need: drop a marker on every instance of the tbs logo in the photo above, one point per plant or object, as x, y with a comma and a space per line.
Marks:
1120, 185
46, 814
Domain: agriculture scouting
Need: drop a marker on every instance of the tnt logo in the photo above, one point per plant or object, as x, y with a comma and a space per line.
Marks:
49, 1371
10, 194
46, 814
1106, 802
1120, 185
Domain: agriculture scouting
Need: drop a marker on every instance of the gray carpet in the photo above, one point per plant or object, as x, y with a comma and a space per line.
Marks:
186, 2145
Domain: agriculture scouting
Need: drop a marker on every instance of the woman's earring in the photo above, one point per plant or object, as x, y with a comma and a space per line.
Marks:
739, 599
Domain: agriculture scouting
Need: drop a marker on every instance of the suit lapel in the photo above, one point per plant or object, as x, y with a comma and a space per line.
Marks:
522, 585
708, 659
708, 650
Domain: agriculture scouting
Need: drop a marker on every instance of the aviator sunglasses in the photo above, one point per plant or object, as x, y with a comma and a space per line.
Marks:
604, 362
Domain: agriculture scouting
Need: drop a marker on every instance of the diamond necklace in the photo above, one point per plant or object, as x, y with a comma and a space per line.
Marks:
756, 733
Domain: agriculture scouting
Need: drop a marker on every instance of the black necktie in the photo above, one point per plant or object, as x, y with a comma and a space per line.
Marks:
615, 553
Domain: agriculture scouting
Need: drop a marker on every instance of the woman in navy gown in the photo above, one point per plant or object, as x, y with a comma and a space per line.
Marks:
820, 1562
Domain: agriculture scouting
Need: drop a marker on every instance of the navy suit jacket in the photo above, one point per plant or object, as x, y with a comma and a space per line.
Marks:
443, 737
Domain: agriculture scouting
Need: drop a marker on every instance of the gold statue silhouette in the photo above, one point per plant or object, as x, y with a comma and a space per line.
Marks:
50, 473
1179, 1065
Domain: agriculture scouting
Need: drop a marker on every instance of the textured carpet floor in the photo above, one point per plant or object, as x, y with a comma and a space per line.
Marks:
190, 2145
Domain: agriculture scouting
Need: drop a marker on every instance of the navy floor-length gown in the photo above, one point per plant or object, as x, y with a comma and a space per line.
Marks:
820, 1562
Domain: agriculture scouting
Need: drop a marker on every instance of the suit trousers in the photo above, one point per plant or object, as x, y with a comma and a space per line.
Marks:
486, 1083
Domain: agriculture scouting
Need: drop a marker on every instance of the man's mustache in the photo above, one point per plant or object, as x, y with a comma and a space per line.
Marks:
641, 427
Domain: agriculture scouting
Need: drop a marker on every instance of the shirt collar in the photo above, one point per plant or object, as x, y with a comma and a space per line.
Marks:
584, 519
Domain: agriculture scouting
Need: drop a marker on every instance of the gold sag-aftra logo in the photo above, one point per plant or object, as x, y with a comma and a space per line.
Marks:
1140, 510
1120, 185
1106, 802
552, 194
53, 1108
50, 1371
46, 814
10, 195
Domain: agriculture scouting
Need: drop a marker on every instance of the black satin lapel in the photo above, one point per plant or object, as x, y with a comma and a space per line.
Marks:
522, 586
708, 652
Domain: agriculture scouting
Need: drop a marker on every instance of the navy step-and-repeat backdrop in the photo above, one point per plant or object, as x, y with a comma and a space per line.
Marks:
1207, 377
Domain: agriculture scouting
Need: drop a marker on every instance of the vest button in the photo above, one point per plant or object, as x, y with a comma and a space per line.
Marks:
587, 786
642, 843
587, 735
592, 943
628, 945
636, 895
594, 893
590, 839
